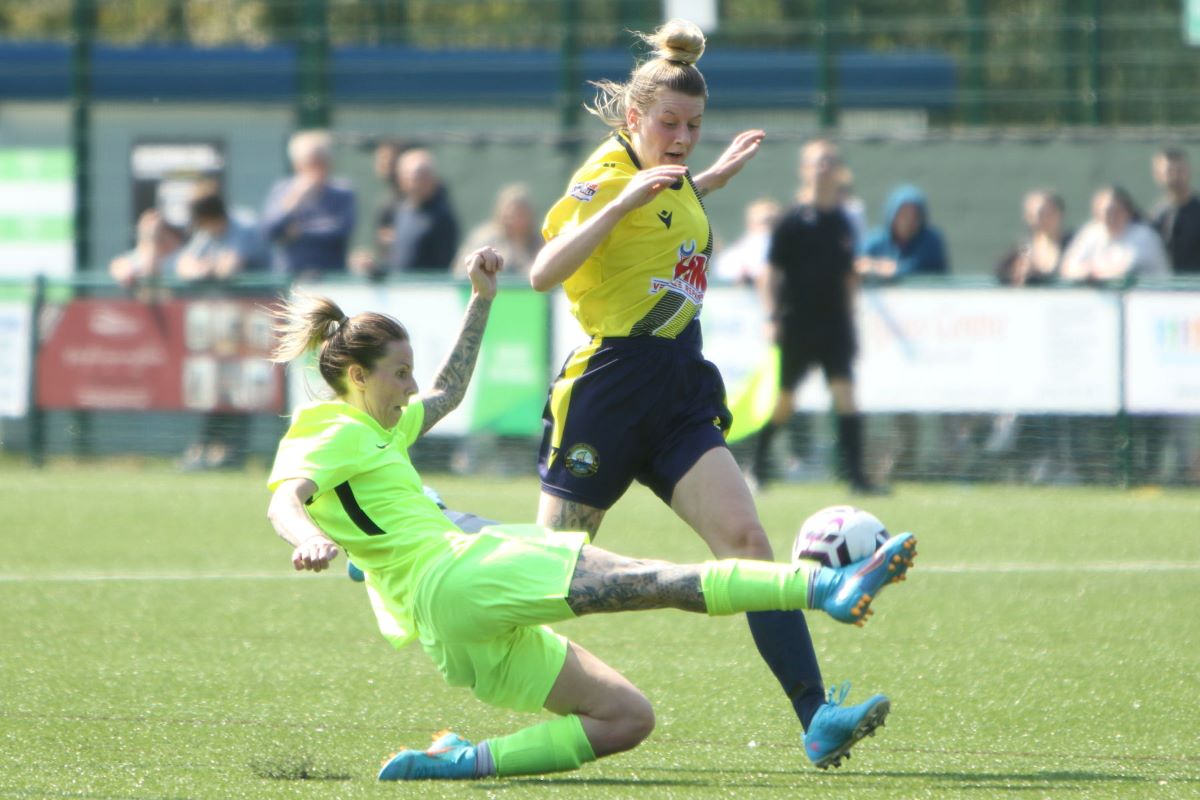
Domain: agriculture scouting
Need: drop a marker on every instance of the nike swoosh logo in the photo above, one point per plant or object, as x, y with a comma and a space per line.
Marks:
665, 218
381, 446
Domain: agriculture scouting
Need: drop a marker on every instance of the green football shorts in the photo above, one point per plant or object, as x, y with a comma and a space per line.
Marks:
481, 613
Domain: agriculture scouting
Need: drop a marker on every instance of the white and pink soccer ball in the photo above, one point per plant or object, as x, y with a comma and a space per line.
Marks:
839, 535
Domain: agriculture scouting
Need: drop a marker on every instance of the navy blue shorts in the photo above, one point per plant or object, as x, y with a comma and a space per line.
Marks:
640, 407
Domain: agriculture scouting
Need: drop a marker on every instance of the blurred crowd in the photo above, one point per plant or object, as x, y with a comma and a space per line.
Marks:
305, 227
307, 221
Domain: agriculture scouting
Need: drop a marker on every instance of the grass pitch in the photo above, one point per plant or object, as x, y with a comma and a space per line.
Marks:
154, 643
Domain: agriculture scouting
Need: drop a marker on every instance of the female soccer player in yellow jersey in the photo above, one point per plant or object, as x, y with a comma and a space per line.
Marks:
478, 603
630, 243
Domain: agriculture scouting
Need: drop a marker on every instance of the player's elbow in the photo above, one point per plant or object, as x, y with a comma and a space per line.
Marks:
540, 280
284, 501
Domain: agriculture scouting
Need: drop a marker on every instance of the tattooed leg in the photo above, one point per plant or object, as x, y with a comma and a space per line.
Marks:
566, 515
605, 582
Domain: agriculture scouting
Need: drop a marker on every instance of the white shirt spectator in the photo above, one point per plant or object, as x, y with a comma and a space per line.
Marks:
1095, 254
744, 260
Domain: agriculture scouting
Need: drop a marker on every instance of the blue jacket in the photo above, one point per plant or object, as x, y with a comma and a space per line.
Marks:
314, 235
924, 254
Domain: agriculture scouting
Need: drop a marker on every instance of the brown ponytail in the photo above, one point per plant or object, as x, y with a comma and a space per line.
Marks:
678, 45
312, 322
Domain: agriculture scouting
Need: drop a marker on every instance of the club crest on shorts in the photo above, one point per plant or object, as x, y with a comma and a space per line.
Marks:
581, 460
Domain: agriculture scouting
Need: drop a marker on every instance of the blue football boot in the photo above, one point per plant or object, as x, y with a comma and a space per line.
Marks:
450, 757
836, 728
845, 593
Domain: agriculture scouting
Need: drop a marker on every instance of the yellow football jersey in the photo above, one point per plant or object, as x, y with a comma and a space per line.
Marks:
649, 276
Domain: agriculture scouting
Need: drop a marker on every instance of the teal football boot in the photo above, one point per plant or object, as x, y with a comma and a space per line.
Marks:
450, 757
845, 593
836, 728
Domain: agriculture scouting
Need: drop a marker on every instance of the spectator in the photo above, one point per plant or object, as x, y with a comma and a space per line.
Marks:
1115, 244
153, 256
513, 231
1177, 215
1035, 445
810, 298
309, 217
907, 244
426, 229
365, 260
1036, 259
220, 246
744, 262
387, 153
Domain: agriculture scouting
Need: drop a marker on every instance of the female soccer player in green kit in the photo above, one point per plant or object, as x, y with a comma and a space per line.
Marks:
479, 603
630, 242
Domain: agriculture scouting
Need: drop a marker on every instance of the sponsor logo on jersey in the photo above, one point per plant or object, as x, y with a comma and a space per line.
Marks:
581, 460
690, 277
584, 191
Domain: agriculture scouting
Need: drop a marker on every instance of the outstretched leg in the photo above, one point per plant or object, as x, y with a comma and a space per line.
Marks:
605, 582
601, 713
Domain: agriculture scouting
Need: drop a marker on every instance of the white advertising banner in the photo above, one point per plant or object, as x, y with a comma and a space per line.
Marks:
1162, 352
433, 316
15, 331
989, 350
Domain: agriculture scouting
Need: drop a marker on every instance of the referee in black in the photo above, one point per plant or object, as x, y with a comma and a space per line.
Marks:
809, 295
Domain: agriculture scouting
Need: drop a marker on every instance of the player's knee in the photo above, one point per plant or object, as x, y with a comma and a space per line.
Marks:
635, 724
746, 541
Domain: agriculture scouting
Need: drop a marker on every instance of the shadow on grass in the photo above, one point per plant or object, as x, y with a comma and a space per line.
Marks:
1037, 780
295, 768
577, 781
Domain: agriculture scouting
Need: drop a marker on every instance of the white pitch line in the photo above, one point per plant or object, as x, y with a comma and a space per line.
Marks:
1097, 566
166, 578
920, 569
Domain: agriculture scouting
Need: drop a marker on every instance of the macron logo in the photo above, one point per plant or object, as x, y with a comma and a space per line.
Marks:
665, 217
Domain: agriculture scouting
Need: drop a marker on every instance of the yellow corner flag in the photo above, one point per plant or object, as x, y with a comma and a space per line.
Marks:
753, 402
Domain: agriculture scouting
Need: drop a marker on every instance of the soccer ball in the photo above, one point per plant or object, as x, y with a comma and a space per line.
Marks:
839, 535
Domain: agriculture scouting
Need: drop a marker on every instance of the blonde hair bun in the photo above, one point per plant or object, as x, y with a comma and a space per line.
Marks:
678, 40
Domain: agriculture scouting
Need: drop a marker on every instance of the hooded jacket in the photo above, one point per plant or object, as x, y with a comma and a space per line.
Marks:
924, 253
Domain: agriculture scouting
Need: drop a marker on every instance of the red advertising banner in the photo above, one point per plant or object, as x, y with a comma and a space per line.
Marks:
177, 355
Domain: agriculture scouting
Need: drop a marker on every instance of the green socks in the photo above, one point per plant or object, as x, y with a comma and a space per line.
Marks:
734, 585
555, 746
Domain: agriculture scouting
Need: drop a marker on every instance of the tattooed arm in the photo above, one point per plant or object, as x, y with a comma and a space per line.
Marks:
451, 382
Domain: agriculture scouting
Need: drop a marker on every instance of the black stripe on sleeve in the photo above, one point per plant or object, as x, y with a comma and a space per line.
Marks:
355, 511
